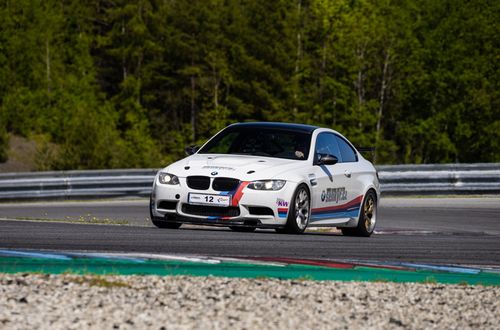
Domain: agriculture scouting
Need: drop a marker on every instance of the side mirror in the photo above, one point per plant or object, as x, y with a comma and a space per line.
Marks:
327, 160
191, 150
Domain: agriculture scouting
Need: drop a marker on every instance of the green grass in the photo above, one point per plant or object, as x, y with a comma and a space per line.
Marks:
100, 281
105, 266
81, 220
430, 280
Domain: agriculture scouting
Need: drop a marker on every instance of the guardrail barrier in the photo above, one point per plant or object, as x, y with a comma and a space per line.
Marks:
442, 179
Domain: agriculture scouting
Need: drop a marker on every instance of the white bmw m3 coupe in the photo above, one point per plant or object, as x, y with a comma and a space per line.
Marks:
269, 175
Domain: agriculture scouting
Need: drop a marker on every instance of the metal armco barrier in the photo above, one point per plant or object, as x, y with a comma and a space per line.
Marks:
394, 179
440, 179
76, 184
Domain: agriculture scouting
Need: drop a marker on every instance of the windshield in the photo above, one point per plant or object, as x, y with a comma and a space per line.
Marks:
255, 141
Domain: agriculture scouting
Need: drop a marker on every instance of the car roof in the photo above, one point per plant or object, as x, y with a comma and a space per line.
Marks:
286, 126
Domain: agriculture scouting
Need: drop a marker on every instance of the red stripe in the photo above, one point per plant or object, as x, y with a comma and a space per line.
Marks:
282, 210
385, 267
239, 193
326, 263
322, 263
356, 201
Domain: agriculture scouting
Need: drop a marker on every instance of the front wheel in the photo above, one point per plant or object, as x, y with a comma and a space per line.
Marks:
166, 224
367, 217
299, 212
159, 222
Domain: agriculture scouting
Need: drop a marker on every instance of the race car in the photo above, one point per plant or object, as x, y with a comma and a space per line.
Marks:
269, 175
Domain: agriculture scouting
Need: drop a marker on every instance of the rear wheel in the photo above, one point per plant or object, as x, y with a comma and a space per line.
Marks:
242, 229
367, 217
299, 212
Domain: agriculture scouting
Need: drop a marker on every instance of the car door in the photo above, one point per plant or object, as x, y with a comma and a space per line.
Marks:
352, 170
335, 197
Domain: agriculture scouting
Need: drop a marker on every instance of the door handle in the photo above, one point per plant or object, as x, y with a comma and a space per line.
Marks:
347, 173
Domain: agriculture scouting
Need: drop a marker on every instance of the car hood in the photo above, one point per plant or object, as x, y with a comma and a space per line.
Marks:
242, 167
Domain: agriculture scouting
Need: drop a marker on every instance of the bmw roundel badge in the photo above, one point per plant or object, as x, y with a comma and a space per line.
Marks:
214, 173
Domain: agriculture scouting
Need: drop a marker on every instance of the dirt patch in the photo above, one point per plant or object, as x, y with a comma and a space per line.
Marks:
22, 153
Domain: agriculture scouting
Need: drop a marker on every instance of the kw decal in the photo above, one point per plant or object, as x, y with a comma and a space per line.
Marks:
334, 195
281, 202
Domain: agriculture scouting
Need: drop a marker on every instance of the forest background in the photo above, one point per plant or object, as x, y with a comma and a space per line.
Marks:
123, 84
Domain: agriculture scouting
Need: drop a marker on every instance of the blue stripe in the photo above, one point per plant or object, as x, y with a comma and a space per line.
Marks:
12, 253
350, 208
451, 269
336, 214
230, 193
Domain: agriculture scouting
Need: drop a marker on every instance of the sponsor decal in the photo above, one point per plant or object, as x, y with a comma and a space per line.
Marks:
281, 202
334, 195
220, 168
347, 210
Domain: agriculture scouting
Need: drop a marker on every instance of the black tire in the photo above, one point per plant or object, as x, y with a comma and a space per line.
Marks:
242, 229
298, 219
160, 222
166, 224
367, 217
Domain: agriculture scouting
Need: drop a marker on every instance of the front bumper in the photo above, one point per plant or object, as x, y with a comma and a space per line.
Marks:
239, 222
256, 208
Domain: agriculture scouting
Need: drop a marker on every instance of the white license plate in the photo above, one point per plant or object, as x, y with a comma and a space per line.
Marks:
205, 199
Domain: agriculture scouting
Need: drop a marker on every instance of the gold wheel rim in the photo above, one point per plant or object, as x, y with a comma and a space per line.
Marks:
369, 213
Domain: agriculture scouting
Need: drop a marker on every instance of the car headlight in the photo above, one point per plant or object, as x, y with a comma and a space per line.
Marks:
167, 178
267, 184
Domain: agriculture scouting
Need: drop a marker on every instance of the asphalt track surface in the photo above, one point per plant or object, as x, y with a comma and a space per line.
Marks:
425, 230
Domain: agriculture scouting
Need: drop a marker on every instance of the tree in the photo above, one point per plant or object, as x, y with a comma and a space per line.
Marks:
130, 83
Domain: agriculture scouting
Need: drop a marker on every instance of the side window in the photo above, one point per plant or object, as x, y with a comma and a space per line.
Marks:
348, 154
326, 143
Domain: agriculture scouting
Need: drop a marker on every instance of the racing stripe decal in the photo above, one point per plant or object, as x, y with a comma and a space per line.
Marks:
351, 213
352, 204
282, 212
215, 218
239, 193
347, 210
